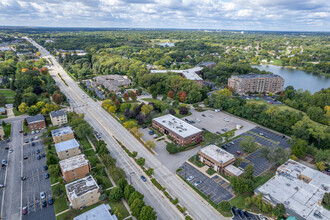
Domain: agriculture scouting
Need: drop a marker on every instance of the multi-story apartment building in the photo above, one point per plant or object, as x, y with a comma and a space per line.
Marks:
67, 149
256, 83
58, 117
62, 134
83, 192
180, 131
75, 168
36, 122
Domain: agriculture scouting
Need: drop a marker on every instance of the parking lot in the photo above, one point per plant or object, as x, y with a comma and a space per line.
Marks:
268, 99
36, 182
283, 141
216, 187
217, 121
3, 156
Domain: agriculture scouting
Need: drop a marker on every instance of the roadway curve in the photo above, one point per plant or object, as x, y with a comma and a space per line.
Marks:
109, 127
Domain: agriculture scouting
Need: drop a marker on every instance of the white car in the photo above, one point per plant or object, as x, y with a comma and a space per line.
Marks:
42, 195
1, 185
190, 178
217, 110
261, 134
10, 150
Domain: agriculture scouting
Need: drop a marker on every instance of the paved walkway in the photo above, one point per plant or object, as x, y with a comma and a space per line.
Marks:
10, 113
62, 212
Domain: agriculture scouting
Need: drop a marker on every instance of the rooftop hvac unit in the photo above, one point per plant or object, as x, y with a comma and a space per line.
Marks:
180, 130
164, 121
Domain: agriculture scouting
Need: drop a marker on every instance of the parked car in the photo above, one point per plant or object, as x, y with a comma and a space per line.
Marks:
43, 155
33, 144
197, 183
45, 167
234, 210
232, 143
241, 213
217, 110
23, 178
38, 157
37, 131
4, 162
190, 178
144, 127
50, 201
218, 132
24, 133
1, 186
143, 178
261, 134
7, 148
248, 215
203, 129
27, 141
24, 210
203, 115
42, 195
37, 151
10, 150
31, 139
155, 136
46, 175
239, 152
20, 131
151, 132
33, 132
25, 158
224, 147
36, 138
44, 203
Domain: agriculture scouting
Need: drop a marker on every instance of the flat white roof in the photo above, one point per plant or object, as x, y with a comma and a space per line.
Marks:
62, 131
66, 145
217, 154
101, 212
73, 162
298, 196
188, 73
177, 126
81, 187
234, 170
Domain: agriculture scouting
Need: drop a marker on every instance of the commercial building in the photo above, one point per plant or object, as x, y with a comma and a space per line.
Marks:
75, 168
83, 192
101, 212
300, 189
256, 83
67, 149
219, 160
36, 122
62, 134
58, 117
180, 131
191, 74
112, 82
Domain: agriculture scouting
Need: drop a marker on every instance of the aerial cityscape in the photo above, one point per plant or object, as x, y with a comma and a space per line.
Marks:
145, 110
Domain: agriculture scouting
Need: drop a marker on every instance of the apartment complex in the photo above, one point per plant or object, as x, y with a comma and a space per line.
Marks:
219, 160
101, 212
300, 189
181, 132
83, 192
67, 149
58, 117
191, 74
75, 168
36, 122
62, 134
252, 83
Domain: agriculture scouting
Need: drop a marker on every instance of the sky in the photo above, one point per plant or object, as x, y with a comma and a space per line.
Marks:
272, 15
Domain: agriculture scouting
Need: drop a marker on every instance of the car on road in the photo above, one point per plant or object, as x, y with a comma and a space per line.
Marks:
42, 195
27, 141
45, 167
10, 150
46, 175
20, 131
24, 133
50, 201
23, 178
203, 115
7, 148
197, 183
43, 203
4, 162
143, 178
36, 138
24, 210
37, 151
38, 157
239, 152
190, 178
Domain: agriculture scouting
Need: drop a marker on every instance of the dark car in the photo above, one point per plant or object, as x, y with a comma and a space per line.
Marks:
23, 178
218, 132
144, 127
234, 210
44, 203
241, 213
31, 139
50, 201
224, 147
37, 151
38, 157
204, 129
20, 131
45, 168
33, 144
151, 132
43, 155
7, 148
24, 133
27, 141
24, 210
143, 178
203, 115
46, 175
248, 215
25, 158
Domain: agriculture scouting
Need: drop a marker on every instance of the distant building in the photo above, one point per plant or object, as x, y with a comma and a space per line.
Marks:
219, 160
83, 192
67, 149
300, 189
58, 117
2, 111
191, 74
112, 82
209, 65
181, 132
36, 122
2, 133
101, 212
75, 167
62, 134
256, 83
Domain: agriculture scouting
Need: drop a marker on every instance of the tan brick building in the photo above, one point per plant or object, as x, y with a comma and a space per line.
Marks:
215, 157
256, 83
62, 134
181, 132
58, 117
67, 149
83, 192
75, 168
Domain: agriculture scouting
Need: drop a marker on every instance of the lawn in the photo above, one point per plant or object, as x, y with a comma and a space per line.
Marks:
120, 206
210, 171
3, 116
94, 160
106, 183
26, 128
281, 107
7, 93
85, 143
10, 101
238, 201
16, 112
60, 204
195, 161
7, 130
89, 152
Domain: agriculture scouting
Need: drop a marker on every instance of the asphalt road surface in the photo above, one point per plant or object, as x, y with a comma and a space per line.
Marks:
3, 156
109, 127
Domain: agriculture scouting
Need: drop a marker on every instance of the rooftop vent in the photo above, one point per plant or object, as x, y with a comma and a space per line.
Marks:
180, 130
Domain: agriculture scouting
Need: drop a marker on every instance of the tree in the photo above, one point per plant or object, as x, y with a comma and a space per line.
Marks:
172, 111
183, 110
194, 96
248, 171
117, 104
182, 96
57, 98
141, 161
147, 213
276, 155
146, 109
150, 144
171, 94
23, 107
51, 159
33, 110
129, 124
136, 206
299, 148
38, 54
248, 144
279, 210
83, 130
225, 206
248, 202
133, 96
122, 183
134, 195
320, 165
115, 194
129, 189
172, 148
126, 97
117, 213
112, 109
326, 199
2, 99
54, 170
58, 191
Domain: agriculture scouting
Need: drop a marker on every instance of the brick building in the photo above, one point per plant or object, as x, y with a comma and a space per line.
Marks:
180, 131
75, 168
36, 122
83, 192
67, 149
219, 160
256, 83
62, 134
58, 117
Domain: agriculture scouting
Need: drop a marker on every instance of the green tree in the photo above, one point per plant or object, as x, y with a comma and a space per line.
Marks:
147, 213
33, 110
279, 210
51, 159
83, 130
150, 144
326, 199
129, 189
122, 183
136, 207
172, 148
146, 109
211, 138
134, 195
117, 213
23, 107
275, 155
115, 194
58, 190
225, 206
248, 144
248, 171
54, 170
299, 148
2, 99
